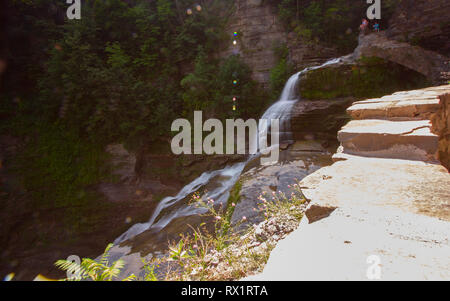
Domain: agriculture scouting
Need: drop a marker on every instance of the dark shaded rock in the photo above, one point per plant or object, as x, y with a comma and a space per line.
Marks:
429, 63
422, 22
269, 180
321, 118
441, 127
315, 213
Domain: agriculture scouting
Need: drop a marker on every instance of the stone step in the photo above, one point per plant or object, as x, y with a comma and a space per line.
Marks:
411, 140
395, 108
402, 105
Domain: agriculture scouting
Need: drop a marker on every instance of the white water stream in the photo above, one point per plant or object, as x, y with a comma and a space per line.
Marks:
221, 180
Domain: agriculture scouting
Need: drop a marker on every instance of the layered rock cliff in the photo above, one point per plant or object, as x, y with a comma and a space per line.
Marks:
260, 32
422, 22
418, 23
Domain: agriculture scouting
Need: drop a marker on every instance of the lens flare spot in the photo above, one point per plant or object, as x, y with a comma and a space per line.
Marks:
9, 277
42, 278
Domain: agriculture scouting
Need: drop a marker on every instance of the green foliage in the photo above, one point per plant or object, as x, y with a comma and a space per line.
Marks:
120, 74
114, 75
221, 214
281, 72
149, 271
178, 252
371, 77
279, 204
57, 166
210, 88
334, 22
93, 270
227, 246
199, 86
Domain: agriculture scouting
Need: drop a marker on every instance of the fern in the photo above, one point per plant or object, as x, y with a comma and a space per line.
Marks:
93, 270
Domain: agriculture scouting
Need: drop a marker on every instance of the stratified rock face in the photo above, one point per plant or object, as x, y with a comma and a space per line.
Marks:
429, 63
320, 118
422, 22
370, 210
410, 125
260, 32
390, 139
441, 126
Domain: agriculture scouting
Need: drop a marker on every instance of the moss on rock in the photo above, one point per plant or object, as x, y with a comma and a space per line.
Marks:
367, 78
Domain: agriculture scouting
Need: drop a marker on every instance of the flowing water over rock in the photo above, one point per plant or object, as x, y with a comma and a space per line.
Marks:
174, 213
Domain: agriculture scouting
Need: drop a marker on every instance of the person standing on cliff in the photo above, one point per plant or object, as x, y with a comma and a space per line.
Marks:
376, 27
364, 25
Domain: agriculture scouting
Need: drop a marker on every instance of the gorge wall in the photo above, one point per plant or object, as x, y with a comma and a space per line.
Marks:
418, 23
422, 22
260, 32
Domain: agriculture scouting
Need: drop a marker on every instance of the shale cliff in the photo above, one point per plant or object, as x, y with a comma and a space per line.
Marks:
415, 23
424, 23
260, 31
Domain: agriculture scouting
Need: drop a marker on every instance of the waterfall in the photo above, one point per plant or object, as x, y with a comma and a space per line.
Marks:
224, 179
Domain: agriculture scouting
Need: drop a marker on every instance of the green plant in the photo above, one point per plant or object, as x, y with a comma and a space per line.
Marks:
93, 270
149, 270
278, 203
370, 77
178, 252
332, 22
222, 254
278, 77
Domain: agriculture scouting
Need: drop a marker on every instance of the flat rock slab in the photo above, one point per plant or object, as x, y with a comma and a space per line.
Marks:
415, 104
390, 139
395, 210
363, 244
420, 108
384, 127
412, 186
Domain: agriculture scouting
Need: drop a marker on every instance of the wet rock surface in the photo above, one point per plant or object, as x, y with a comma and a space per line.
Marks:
319, 119
273, 179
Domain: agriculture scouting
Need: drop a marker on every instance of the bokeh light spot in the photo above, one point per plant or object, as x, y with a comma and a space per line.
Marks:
9, 277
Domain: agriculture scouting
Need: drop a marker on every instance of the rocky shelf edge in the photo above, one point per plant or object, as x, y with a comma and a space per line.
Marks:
376, 213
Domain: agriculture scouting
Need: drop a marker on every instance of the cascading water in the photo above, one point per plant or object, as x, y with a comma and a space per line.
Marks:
171, 208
